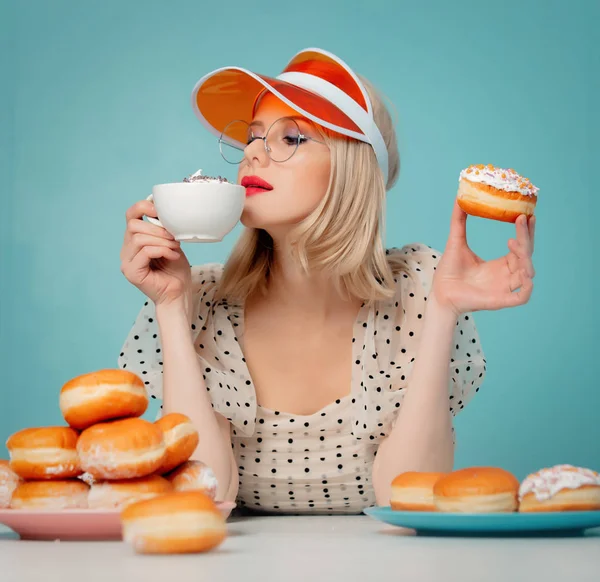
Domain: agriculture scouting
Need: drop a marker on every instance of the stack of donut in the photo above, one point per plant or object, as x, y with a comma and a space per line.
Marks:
495, 490
108, 458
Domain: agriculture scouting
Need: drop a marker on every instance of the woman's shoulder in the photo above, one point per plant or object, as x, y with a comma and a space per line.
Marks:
412, 254
412, 264
206, 274
205, 282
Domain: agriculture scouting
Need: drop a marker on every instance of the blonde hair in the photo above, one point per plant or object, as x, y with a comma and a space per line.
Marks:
344, 234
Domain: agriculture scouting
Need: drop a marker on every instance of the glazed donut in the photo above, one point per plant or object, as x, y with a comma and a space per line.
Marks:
121, 449
175, 523
8, 483
102, 395
181, 439
560, 488
413, 491
50, 495
44, 453
120, 494
194, 476
495, 193
477, 490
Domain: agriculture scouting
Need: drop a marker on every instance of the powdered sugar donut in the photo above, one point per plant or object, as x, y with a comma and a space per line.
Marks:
560, 488
87, 478
174, 523
476, 490
8, 483
181, 439
413, 491
496, 193
120, 494
121, 449
47, 452
102, 395
50, 495
193, 476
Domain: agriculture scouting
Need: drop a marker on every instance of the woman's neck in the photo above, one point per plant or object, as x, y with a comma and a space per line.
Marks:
312, 294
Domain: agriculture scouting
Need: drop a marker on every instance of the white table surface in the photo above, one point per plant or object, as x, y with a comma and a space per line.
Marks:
311, 549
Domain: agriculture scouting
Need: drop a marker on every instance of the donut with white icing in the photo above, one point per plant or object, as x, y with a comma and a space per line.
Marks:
560, 488
495, 193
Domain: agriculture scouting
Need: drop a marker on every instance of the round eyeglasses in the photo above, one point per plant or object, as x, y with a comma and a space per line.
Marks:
281, 140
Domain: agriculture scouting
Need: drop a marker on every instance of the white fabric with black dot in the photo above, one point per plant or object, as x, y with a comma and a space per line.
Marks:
319, 463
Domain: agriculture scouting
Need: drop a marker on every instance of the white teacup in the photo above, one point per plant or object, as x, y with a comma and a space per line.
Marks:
197, 211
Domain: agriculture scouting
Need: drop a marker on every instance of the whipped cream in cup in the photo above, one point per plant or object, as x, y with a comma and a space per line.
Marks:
200, 177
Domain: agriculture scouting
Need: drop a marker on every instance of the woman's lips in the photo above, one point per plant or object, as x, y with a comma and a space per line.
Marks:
255, 185
252, 190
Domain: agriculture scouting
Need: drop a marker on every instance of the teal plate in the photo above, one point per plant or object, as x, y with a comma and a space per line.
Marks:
505, 524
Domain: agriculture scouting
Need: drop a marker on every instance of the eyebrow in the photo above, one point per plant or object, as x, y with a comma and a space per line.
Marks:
299, 117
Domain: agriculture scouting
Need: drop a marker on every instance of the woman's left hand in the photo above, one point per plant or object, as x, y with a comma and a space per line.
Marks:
464, 282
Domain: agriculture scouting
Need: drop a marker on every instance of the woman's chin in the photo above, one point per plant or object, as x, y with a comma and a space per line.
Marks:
260, 220
250, 220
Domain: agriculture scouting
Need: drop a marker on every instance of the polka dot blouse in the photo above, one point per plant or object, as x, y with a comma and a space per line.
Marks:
320, 463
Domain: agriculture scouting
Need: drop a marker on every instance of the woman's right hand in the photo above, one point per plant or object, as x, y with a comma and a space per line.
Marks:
152, 259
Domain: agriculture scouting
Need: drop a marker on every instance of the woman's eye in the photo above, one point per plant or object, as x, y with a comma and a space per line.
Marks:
293, 139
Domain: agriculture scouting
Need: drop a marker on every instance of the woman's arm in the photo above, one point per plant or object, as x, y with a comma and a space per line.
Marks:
184, 391
421, 439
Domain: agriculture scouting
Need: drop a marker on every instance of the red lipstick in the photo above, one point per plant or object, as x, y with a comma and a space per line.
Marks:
255, 185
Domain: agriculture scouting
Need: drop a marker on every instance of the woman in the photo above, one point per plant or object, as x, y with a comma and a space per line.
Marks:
315, 364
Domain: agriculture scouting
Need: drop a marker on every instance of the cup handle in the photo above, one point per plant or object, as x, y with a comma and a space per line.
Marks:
151, 218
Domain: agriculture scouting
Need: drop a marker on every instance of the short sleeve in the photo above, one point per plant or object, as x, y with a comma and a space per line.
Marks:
387, 340
142, 351
213, 331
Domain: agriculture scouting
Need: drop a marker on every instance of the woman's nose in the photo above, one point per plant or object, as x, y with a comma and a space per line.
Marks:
256, 152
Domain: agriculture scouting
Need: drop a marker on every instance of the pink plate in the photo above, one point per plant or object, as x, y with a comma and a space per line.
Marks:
72, 524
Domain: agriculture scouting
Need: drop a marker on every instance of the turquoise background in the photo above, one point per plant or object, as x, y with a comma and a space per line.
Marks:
95, 110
